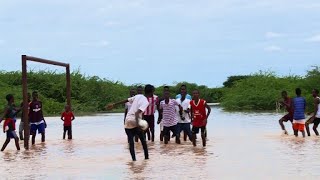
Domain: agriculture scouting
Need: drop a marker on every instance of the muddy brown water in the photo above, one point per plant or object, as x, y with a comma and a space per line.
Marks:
240, 146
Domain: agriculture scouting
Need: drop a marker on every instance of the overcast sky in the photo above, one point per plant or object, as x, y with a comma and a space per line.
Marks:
163, 41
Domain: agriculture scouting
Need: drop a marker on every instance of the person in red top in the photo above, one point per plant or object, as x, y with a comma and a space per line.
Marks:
199, 117
286, 102
67, 117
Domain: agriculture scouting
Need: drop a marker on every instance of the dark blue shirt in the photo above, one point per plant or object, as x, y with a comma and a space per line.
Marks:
299, 105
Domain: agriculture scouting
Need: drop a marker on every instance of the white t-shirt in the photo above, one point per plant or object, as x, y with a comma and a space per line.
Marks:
185, 105
318, 113
137, 102
128, 106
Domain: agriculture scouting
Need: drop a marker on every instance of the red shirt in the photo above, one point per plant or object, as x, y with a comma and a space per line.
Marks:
67, 117
199, 113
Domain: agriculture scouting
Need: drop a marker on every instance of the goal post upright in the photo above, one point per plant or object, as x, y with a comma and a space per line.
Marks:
24, 59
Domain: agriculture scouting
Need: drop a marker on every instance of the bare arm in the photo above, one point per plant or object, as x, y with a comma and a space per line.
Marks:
209, 110
111, 106
4, 114
62, 117
125, 113
160, 115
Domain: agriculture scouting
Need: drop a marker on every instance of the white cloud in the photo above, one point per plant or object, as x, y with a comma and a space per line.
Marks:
273, 48
271, 34
102, 43
315, 38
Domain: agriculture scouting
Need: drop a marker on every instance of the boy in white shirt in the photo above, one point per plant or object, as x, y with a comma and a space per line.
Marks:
132, 128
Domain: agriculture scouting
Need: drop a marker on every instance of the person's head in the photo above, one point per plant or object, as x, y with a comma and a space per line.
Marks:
67, 108
148, 89
140, 90
29, 96
298, 92
10, 98
183, 89
133, 92
35, 95
166, 95
315, 92
166, 88
284, 94
196, 94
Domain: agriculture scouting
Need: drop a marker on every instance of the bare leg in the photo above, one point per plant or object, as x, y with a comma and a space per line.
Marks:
303, 134
5, 144
43, 137
315, 126
295, 133
17, 143
33, 139
307, 128
194, 141
64, 134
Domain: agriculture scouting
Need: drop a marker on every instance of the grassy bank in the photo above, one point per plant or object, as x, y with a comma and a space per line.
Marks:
89, 94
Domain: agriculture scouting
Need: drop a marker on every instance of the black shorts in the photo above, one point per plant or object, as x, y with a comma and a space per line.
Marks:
195, 130
67, 128
150, 120
288, 117
316, 121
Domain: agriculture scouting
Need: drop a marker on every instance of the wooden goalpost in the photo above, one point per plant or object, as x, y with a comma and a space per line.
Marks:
26, 58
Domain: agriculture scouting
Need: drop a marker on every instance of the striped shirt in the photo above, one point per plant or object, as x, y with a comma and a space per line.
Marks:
299, 106
169, 117
153, 101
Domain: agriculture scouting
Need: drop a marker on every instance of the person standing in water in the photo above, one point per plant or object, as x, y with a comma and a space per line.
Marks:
149, 114
21, 125
183, 90
299, 106
286, 103
184, 123
167, 115
132, 128
37, 122
9, 125
67, 117
165, 88
199, 117
315, 119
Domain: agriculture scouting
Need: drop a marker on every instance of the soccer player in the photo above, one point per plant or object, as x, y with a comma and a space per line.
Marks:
149, 114
289, 116
315, 119
67, 117
299, 106
37, 122
199, 117
184, 122
9, 126
167, 115
132, 128
21, 125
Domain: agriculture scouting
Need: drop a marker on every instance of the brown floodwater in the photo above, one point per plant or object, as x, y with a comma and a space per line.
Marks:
240, 146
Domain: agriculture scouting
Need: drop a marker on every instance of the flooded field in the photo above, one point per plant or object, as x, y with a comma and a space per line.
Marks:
240, 146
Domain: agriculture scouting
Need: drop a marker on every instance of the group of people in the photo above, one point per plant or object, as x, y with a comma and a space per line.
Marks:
175, 115
37, 122
296, 108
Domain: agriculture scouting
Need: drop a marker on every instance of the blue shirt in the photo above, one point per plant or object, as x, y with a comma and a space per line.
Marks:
187, 96
299, 105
